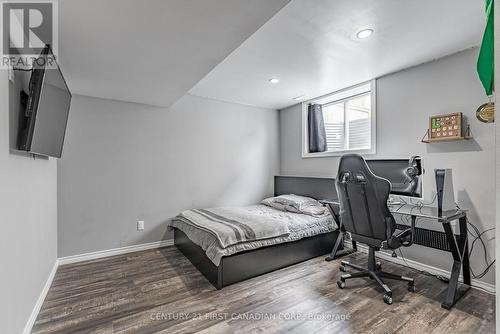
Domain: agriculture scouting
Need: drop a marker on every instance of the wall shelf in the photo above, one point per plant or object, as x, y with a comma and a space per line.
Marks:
427, 140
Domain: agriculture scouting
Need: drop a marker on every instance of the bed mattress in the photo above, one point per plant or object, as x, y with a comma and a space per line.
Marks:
299, 226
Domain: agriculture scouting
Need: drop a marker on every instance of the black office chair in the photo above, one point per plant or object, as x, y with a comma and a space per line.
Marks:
366, 217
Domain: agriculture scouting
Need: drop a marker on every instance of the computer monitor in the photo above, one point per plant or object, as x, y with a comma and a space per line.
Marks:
405, 175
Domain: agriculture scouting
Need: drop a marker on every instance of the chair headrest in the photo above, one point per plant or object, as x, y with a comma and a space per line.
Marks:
355, 164
354, 169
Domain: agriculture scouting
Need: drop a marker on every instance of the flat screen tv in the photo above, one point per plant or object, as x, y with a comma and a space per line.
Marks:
43, 127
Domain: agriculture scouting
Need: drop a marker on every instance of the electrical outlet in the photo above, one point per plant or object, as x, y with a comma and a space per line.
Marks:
140, 225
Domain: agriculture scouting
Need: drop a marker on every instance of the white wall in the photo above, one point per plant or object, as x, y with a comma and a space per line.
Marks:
124, 162
28, 214
405, 100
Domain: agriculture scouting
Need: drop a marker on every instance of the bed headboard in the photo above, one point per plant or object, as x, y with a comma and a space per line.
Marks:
315, 187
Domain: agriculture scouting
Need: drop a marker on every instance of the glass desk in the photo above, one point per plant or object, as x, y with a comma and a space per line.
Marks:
426, 212
456, 244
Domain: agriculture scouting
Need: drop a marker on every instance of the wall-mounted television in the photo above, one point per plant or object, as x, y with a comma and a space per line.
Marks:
43, 127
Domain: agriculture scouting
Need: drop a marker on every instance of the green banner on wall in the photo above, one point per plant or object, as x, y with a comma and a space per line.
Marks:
485, 62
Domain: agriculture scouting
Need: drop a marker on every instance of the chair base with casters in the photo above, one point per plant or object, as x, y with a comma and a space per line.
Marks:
374, 271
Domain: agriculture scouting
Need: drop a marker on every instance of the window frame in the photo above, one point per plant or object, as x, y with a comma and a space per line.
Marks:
344, 94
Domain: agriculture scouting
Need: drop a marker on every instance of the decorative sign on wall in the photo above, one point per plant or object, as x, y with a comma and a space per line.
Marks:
446, 128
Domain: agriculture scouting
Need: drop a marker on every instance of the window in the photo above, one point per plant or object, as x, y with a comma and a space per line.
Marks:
349, 121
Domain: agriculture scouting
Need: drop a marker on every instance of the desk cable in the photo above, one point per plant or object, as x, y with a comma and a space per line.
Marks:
439, 277
479, 236
475, 233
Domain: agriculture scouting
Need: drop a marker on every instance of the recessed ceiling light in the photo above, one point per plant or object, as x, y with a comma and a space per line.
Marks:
298, 98
274, 80
365, 33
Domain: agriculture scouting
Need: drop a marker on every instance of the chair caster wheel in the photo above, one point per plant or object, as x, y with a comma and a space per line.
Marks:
341, 284
387, 299
412, 288
342, 268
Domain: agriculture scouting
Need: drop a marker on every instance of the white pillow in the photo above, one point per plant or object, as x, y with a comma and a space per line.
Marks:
315, 211
296, 201
296, 204
278, 206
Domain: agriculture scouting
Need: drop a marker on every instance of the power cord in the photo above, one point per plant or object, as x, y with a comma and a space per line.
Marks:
421, 203
475, 233
439, 277
479, 236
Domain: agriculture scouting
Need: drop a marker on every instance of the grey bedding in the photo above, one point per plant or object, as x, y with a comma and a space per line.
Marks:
298, 226
235, 225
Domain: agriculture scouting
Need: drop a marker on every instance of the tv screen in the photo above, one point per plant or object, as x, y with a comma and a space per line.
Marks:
47, 109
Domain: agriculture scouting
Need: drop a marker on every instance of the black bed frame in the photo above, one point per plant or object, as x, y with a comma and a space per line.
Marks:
244, 265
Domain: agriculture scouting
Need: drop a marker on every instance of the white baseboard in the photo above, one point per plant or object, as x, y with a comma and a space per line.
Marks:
488, 287
85, 257
40, 300
114, 251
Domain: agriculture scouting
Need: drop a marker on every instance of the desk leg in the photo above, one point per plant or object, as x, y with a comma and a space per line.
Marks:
333, 254
451, 293
459, 250
465, 253
336, 252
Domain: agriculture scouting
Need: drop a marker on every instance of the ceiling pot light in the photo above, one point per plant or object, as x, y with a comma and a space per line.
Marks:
274, 80
365, 33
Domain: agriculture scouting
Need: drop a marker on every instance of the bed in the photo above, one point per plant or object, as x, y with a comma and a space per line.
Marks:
308, 236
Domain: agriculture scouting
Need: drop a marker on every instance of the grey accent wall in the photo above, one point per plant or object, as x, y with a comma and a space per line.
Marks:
124, 162
405, 100
28, 214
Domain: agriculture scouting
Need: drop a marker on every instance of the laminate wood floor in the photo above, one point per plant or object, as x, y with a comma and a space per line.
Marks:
159, 291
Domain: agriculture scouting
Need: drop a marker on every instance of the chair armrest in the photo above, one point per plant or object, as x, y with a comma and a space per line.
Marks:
406, 237
403, 234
